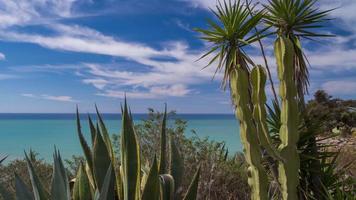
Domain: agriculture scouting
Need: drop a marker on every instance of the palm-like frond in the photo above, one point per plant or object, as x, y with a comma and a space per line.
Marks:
297, 19
232, 31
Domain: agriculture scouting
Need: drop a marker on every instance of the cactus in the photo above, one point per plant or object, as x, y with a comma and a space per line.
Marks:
258, 80
288, 170
257, 177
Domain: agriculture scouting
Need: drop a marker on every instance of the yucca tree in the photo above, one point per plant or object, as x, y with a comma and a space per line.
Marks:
233, 30
229, 35
297, 20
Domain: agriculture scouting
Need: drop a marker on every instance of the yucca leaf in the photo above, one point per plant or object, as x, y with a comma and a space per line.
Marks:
176, 167
38, 189
60, 186
130, 157
193, 187
22, 191
151, 189
162, 162
2, 159
81, 188
167, 187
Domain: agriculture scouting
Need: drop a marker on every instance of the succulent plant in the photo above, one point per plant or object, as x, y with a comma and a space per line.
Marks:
103, 177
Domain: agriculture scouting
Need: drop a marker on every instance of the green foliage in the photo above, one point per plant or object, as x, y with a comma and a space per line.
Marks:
232, 32
296, 19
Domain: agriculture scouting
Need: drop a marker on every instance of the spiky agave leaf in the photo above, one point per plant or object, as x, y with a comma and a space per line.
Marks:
106, 192
167, 187
151, 189
82, 188
86, 149
60, 186
22, 192
163, 149
233, 31
39, 191
130, 157
176, 165
101, 162
193, 187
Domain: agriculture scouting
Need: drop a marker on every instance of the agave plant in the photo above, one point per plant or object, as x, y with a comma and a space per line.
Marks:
129, 179
297, 19
103, 177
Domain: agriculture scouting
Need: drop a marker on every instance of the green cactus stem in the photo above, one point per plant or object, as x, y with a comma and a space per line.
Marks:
257, 178
288, 170
258, 80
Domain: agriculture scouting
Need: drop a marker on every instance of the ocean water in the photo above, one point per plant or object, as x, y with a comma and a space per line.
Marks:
43, 132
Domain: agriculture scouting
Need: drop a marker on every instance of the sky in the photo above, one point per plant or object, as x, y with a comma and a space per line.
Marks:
56, 54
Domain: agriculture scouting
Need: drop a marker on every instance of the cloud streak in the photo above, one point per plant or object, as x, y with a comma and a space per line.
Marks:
50, 97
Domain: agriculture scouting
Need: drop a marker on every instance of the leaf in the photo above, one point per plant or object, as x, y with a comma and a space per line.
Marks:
84, 144
81, 188
151, 190
130, 157
22, 192
193, 187
38, 189
162, 162
60, 186
176, 168
101, 161
105, 192
167, 187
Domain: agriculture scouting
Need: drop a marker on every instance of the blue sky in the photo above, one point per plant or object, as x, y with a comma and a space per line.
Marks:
55, 54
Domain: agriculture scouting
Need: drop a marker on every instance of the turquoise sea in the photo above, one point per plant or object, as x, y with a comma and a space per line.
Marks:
41, 132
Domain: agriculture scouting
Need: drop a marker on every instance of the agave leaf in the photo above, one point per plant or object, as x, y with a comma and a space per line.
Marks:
167, 187
105, 134
60, 186
38, 189
176, 168
81, 188
152, 186
105, 192
92, 130
193, 187
2, 159
130, 158
162, 162
101, 161
84, 144
22, 191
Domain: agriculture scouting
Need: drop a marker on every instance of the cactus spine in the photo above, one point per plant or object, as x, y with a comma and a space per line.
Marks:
257, 177
288, 170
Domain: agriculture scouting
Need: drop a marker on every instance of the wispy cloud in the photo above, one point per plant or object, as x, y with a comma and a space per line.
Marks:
340, 87
50, 97
8, 76
2, 56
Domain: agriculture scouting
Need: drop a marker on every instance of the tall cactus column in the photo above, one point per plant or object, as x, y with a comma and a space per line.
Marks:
288, 170
257, 177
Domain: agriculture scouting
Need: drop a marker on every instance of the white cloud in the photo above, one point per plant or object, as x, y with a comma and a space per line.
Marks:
340, 87
50, 97
205, 4
2, 56
152, 93
7, 76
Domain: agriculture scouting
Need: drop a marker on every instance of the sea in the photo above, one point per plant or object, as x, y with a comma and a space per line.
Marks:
45, 132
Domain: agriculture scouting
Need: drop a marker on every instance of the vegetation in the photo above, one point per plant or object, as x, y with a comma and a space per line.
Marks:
285, 153
303, 170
